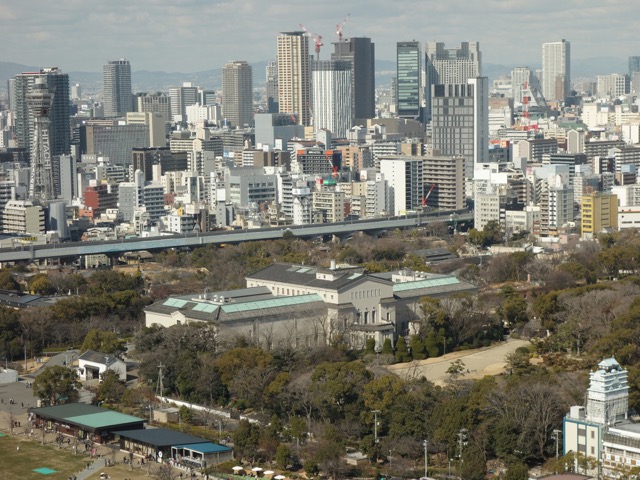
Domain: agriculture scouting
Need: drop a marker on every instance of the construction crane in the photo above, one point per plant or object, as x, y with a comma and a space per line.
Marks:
426, 197
340, 26
317, 40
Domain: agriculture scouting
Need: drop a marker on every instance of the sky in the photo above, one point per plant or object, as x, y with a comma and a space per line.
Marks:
197, 35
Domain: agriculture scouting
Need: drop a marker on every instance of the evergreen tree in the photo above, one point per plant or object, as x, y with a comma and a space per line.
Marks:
418, 350
387, 348
402, 353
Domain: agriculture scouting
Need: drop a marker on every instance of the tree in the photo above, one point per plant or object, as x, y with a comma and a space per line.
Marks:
402, 354
57, 385
7, 282
456, 368
283, 455
517, 471
418, 350
370, 347
245, 440
103, 342
387, 348
112, 389
41, 284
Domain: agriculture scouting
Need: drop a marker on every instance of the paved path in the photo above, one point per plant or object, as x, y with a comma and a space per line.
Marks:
480, 362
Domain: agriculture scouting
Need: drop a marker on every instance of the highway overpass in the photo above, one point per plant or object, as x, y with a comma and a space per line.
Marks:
116, 247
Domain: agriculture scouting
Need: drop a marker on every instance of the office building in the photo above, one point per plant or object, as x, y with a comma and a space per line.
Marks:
273, 128
59, 125
158, 102
181, 98
271, 81
39, 101
556, 70
116, 88
294, 76
333, 96
447, 66
612, 86
409, 80
599, 212
237, 90
360, 51
634, 65
460, 122
405, 177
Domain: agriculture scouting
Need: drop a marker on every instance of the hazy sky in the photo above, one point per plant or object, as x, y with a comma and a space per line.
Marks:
195, 35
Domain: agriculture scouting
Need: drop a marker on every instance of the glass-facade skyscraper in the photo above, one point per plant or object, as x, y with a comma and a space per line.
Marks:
408, 83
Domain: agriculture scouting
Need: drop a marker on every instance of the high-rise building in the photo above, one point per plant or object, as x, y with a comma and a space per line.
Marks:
612, 86
360, 51
333, 96
294, 76
39, 101
406, 182
59, 125
116, 86
556, 70
181, 98
460, 122
448, 66
634, 65
272, 86
237, 91
408, 82
158, 102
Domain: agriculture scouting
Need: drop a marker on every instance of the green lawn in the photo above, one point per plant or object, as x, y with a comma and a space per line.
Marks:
19, 464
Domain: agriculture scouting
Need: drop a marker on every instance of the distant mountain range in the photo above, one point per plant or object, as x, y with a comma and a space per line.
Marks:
145, 80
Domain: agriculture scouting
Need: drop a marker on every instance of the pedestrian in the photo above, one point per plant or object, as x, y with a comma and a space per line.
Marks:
22, 404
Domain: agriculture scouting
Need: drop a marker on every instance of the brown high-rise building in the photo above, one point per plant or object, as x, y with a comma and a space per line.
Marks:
237, 91
294, 76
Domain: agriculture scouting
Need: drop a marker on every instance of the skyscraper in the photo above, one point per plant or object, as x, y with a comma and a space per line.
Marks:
556, 70
333, 96
449, 66
59, 125
181, 98
408, 83
294, 76
272, 86
39, 101
460, 121
634, 74
237, 91
116, 86
360, 51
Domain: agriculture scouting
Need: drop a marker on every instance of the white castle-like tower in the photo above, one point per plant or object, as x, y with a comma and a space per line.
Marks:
608, 394
39, 100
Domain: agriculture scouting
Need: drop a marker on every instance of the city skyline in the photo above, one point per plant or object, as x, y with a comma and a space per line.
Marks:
198, 35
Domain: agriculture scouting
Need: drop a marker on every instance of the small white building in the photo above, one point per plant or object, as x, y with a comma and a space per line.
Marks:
92, 365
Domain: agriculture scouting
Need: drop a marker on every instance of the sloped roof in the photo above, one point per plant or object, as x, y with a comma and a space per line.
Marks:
206, 447
161, 437
99, 357
87, 416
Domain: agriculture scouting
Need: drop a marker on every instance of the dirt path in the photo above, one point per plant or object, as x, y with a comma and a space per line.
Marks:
478, 363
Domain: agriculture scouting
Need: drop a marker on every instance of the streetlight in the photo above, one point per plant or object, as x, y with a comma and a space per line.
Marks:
425, 444
375, 425
389, 463
556, 436
450, 460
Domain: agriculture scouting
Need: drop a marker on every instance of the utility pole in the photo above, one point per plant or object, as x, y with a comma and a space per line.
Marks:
426, 444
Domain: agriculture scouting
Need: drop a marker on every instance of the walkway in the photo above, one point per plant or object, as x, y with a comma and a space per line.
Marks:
478, 363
